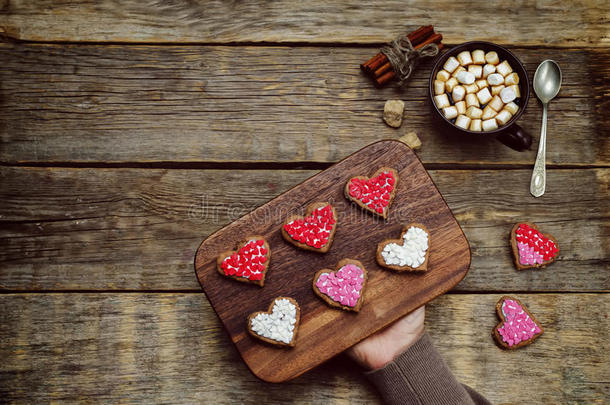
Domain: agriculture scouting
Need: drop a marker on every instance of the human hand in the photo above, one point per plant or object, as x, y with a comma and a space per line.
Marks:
379, 349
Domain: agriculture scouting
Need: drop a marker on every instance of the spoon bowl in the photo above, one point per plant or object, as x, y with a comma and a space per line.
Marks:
547, 81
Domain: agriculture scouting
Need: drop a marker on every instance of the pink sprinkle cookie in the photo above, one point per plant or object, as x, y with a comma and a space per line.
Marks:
344, 287
517, 326
531, 248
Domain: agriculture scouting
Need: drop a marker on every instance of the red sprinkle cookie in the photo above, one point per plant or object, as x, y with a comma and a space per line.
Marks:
343, 288
279, 325
518, 327
374, 194
532, 248
249, 263
315, 231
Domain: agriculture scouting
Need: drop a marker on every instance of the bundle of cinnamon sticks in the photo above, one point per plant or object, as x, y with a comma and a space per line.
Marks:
379, 68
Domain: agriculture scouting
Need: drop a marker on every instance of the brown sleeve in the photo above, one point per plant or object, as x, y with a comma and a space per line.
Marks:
421, 376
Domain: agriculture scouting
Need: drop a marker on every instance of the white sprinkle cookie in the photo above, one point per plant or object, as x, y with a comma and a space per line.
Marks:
279, 325
409, 253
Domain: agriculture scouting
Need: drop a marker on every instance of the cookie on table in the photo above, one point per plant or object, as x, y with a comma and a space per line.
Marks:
344, 287
315, 231
279, 325
248, 263
409, 253
517, 327
373, 194
531, 248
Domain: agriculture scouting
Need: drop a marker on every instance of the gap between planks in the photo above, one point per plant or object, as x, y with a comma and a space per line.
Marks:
175, 165
200, 291
7, 38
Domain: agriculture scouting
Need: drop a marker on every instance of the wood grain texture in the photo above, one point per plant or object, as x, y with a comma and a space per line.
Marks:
94, 103
138, 229
170, 348
582, 23
325, 332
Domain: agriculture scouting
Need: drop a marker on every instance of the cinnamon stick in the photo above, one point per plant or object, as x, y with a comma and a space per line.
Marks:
384, 68
367, 67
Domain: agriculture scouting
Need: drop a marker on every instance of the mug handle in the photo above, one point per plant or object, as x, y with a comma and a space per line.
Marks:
515, 138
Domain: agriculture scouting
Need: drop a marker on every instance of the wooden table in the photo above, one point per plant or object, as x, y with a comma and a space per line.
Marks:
130, 132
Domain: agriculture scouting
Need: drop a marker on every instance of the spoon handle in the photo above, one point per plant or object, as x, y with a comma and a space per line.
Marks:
538, 182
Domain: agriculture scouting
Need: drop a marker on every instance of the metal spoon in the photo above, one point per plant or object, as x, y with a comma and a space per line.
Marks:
547, 81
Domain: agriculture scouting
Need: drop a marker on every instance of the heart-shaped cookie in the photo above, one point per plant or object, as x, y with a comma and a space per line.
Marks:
409, 253
248, 263
314, 231
531, 248
374, 194
279, 325
343, 288
517, 326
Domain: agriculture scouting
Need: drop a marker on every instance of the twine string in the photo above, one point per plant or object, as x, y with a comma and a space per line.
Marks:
403, 57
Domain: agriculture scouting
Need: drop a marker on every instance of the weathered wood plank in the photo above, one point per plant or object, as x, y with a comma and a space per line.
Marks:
92, 103
168, 348
138, 229
581, 23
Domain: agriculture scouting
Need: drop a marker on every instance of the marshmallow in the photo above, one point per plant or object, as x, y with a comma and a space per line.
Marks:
471, 100
488, 113
511, 108
478, 57
443, 75
458, 70
475, 125
462, 121
496, 103
441, 101
450, 84
503, 117
481, 84
507, 95
476, 70
411, 253
465, 77
497, 89
488, 69
450, 112
511, 79
489, 125
465, 58
458, 93
492, 58
474, 112
515, 88
504, 68
495, 79
471, 88
461, 107
439, 87
484, 96
451, 64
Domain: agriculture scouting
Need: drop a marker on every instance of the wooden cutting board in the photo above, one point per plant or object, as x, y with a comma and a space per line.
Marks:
325, 332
